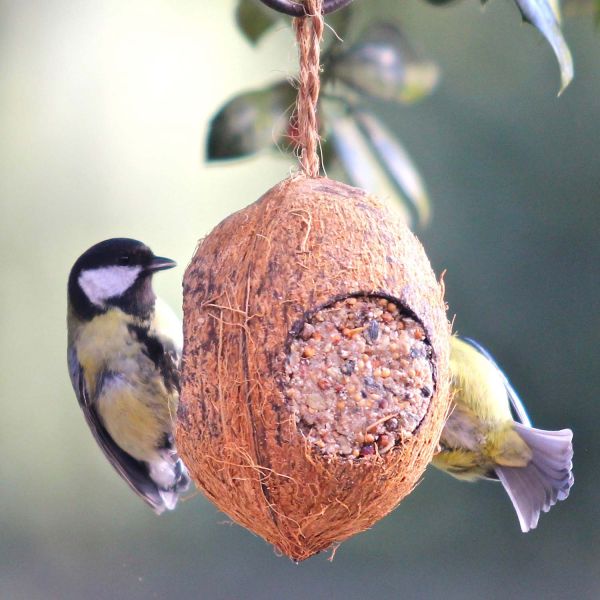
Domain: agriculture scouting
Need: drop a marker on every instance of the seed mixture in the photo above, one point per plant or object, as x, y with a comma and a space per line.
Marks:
359, 377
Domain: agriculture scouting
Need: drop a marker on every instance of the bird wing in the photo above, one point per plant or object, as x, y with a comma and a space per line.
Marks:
515, 402
166, 327
133, 471
163, 354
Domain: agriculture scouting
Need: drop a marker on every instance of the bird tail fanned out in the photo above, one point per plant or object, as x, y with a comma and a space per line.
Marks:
547, 477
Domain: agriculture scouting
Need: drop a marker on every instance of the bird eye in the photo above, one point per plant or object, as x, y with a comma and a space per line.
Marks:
123, 260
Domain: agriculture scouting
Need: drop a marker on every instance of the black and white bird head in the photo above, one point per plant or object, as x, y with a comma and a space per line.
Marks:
115, 273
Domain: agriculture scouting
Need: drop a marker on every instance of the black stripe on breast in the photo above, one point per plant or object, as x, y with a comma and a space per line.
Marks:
165, 362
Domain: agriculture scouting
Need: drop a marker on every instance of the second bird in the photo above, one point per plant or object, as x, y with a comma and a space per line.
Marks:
124, 352
481, 440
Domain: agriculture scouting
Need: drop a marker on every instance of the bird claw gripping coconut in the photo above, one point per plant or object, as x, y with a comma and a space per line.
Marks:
315, 369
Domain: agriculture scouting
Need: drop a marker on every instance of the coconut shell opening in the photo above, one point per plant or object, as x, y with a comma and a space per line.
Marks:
255, 349
359, 377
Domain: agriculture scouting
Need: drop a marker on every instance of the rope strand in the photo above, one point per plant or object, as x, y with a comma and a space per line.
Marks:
309, 32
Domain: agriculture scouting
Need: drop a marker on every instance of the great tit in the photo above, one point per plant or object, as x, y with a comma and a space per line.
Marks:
124, 352
482, 440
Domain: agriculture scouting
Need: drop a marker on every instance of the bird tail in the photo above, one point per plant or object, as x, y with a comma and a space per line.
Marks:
547, 477
171, 479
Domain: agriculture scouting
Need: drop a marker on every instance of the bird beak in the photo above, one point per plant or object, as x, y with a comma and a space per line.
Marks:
159, 263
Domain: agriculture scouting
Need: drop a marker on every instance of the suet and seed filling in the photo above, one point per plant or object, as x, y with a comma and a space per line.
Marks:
359, 377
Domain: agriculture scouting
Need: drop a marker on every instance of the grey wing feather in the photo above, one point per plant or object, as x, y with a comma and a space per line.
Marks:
133, 471
517, 406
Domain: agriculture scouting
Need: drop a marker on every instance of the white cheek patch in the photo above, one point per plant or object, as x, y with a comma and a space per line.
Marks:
107, 282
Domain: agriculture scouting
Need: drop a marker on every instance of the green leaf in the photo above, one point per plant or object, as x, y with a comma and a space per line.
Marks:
382, 65
254, 19
545, 16
375, 161
250, 122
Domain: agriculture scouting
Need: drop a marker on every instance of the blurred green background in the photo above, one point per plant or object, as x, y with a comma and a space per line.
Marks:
103, 114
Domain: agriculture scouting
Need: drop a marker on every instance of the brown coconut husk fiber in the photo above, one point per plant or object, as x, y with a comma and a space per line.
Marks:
253, 279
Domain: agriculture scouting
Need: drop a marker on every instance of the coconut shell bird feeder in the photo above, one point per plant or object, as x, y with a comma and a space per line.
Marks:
315, 369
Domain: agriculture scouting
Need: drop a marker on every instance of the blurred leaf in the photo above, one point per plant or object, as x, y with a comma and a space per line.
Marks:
382, 65
398, 164
254, 19
250, 122
376, 162
545, 16
337, 25
360, 165
555, 6
328, 153
441, 2
583, 8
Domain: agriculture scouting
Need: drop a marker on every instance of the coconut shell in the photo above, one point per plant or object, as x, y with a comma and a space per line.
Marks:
304, 244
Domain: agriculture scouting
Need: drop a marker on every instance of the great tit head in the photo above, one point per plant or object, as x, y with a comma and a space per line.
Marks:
115, 273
